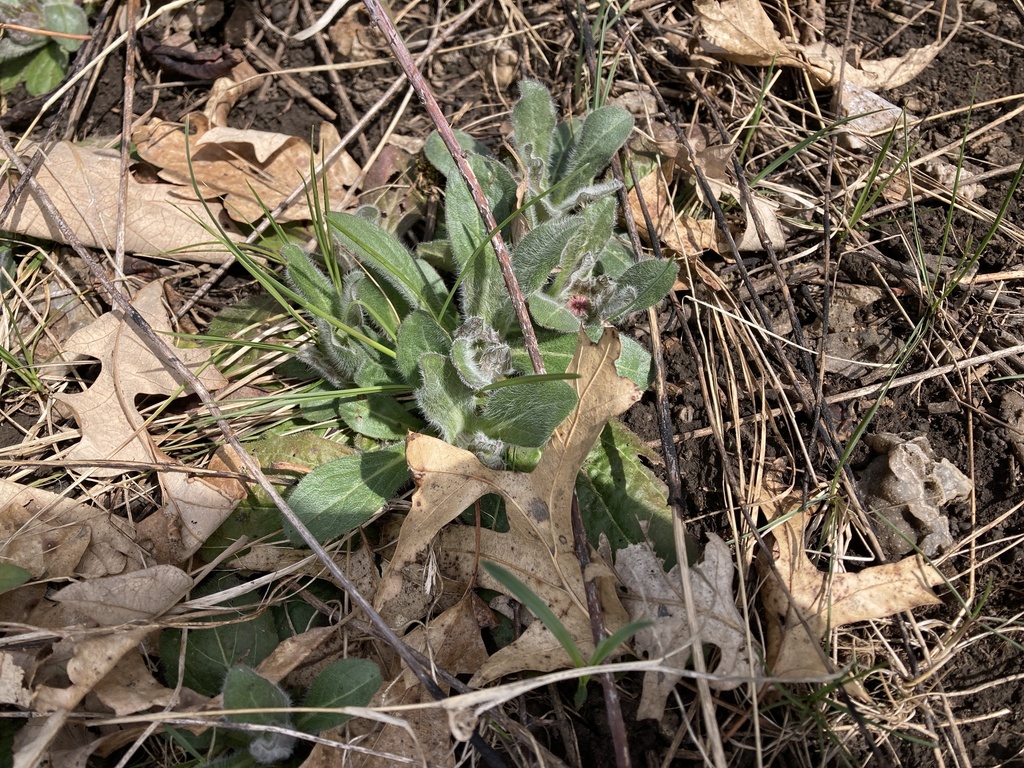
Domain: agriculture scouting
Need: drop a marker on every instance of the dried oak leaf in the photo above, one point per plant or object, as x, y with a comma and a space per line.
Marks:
538, 504
51, 536
680, 233
192, 508
656, 596
82, 184
826, 601
141, 594
137, 596
246, 166
112, 428
740, 31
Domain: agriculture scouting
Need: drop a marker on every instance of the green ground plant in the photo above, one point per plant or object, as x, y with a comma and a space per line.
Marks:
39, 60
429, 341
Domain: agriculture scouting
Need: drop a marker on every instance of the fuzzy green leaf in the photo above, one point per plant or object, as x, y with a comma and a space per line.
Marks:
45, 69
479, 354
343, 494
439, 156
482, 289
386, 312
604, 132
246, 689
257, 516
599, 221
444, 400
246, 637
533, 123
650, 281
307, 279
345, 683
551, 313
635, 363
381, 252
67, 18
563, 140
614, 259
376, 372
527, 414
417, 335
378, 416
543, 249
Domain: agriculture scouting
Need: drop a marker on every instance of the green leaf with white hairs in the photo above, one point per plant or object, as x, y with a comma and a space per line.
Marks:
550, 312
481, 286
480, 355
68, 18
645, 284
599, 221
380, 252
343, 494
379, 416
615, 259
439, 156
533, 123
386, 312
44, 70
527, 414
246, 689
635, 363
309, 281
543, 249
444, 400
604, 132
625, 500
563, 140
345, 683
417, 335
579, 196
472, 366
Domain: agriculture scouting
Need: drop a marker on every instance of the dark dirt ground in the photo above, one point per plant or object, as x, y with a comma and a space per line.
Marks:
963, 425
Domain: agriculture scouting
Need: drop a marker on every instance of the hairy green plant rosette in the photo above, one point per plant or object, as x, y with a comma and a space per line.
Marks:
428, 340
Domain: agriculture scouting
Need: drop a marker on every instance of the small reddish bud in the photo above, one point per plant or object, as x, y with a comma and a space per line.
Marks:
579, 306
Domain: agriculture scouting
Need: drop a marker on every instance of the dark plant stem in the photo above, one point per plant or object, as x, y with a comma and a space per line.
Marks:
380, 17
613, 708
127, 116
168, 355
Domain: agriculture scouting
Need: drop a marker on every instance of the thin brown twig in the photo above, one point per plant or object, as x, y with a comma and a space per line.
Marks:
620, 742
383, 22
127, 115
